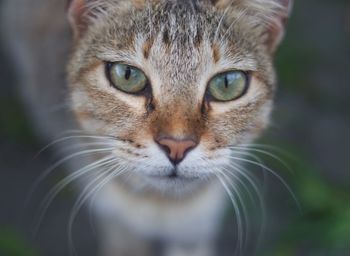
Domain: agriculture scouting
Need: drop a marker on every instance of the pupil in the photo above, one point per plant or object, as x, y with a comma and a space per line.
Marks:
226, 82
127, 73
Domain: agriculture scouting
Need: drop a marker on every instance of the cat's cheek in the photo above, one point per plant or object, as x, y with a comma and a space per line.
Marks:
237, 127
81, 107
105, 119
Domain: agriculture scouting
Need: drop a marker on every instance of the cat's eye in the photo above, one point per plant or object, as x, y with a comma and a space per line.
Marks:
126, 78
228, 86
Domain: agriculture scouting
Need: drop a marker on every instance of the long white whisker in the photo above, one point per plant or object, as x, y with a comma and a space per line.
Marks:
88, 191
245, 174
257, 159
73, 137
270, 147
60, 162
257, 192
245, 223
235, 177
273, 173
87, 145
264, 152
63, 183
237, 211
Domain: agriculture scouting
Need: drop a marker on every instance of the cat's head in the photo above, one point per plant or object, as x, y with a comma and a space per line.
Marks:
177, 83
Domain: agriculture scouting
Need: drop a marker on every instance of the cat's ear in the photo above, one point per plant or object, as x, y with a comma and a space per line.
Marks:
276, 26
83, 12
273, 13
77, 10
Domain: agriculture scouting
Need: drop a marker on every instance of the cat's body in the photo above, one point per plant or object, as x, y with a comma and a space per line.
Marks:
172, 138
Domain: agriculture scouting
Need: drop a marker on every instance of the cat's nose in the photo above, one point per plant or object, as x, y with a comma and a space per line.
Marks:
175, 149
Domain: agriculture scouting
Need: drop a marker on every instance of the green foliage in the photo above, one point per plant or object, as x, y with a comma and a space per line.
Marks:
13, 122
323, 228
12, 244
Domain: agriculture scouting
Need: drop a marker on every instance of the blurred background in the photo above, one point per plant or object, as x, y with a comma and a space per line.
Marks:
311, 122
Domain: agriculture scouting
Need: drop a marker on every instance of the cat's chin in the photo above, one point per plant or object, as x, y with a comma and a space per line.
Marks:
175, 184
172, 180
167, 184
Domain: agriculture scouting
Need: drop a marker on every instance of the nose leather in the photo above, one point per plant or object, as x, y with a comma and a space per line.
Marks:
175, 149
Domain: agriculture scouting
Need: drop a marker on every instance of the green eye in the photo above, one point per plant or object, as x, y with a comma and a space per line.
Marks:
126, 78
228, 86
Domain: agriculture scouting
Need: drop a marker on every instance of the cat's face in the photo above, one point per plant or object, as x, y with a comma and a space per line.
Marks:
176, 83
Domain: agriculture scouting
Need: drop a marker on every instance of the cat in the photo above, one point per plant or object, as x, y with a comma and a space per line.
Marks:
167, 89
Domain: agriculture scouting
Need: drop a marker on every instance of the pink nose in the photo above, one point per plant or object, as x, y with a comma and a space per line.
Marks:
176, 150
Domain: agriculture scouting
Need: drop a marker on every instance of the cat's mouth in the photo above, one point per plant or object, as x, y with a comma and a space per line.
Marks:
174, 182
173, 174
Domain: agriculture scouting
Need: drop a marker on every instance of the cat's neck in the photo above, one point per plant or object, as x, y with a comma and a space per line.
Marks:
149, 212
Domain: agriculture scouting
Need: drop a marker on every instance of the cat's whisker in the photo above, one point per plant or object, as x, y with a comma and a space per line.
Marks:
62, 161
241, 182
254, 157
237, 213
262, 166
279, 178
244, 152
260, 200
245, 174
251, 181
262, 148
87, 145
93, 197
66, 138
70, 237
82, 134
269, 147
264, 152
240, 200
91, 189
63, 183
